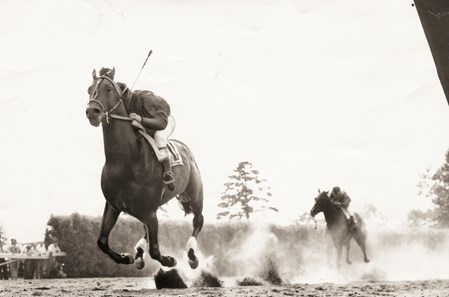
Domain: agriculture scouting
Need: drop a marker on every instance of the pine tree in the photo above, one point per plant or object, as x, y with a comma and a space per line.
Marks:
3, 238
245, 193
436, 187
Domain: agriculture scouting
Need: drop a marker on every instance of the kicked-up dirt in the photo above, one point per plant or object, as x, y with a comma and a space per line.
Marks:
127, 287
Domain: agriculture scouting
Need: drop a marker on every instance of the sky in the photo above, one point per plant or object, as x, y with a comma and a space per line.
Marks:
313, 93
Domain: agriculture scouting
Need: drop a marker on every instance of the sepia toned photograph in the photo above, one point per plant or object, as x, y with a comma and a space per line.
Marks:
224, 148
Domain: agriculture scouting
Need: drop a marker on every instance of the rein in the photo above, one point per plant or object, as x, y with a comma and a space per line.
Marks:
108, 114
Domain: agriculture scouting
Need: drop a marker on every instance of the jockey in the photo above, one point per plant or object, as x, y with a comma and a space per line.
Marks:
153, 113
342, 200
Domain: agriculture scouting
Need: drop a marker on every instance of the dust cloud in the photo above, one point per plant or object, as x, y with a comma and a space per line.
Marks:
306, 255
301, 254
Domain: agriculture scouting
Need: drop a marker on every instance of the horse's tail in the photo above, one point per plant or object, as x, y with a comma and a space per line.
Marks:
184, 201
359, 222
192, 197
358, 218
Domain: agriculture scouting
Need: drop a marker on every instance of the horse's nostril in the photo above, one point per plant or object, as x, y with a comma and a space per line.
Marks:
93, 112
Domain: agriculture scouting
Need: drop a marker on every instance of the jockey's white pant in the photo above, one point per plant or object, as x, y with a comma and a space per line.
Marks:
346, 212
161, 136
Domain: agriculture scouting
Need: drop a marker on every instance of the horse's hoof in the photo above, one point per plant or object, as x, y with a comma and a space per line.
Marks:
139, 263
139, 252
366, 260
168, 261
349, 262
127, 258
194, 263
193, 260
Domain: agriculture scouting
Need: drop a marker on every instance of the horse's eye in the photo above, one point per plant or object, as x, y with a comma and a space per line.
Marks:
109, 90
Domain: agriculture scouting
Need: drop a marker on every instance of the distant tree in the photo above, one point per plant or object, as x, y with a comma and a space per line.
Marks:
2, 236
420, 218
436, 187
370, 213
52, 230
245, 193
77, 236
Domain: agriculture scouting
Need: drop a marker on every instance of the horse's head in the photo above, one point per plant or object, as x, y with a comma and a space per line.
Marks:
105, 96
320, 203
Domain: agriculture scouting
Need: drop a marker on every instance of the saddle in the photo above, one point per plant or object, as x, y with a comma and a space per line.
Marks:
350, 218
174, 155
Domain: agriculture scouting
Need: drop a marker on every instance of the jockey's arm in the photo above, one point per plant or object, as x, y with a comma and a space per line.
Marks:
346, 200
150, 111
156, 123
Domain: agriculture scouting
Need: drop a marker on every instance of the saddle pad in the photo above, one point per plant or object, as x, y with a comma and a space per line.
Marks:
175, 156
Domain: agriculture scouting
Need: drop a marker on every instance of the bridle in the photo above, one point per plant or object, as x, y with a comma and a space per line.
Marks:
108, 114
317, 200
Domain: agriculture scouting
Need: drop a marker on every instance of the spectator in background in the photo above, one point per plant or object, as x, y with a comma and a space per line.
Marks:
40, 263
53, 248
52, 266
29, 265
14, 266
4, 275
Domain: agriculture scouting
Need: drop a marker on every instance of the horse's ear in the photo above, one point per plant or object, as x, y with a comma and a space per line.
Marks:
94, 74
319, 191
111, 73
121, 86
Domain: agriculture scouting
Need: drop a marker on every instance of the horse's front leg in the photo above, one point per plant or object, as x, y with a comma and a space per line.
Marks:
141, 247
110, 216
360, 238
152, 226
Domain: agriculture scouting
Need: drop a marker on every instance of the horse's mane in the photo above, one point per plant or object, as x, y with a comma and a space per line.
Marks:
106, 72
324, 194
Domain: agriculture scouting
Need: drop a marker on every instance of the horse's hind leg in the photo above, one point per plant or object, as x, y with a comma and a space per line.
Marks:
348, 247
360, 238
339, 247
195, 193
110, 216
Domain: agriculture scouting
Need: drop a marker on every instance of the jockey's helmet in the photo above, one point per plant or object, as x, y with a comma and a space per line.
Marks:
336, 190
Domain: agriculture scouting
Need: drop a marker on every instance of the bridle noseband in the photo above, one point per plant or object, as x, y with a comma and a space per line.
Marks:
108, 114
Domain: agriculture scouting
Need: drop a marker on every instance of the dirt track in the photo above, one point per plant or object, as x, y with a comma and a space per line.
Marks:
120, 287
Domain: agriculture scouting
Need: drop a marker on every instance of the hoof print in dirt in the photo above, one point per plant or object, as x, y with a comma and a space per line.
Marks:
207, 279
248, 281
169, 279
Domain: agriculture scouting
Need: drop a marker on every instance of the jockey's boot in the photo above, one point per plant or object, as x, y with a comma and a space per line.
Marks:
168, 177
352, 224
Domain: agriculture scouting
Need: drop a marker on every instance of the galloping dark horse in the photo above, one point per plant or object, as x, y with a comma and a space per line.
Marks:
338, 227
131, 179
